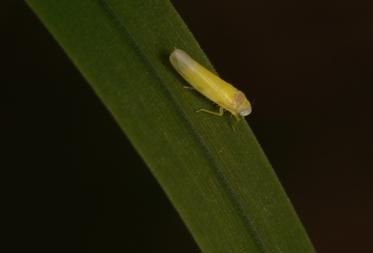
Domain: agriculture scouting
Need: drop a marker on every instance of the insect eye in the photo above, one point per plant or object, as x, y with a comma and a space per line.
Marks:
245, 113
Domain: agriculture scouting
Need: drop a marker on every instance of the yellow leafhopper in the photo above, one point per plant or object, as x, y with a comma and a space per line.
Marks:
210, 85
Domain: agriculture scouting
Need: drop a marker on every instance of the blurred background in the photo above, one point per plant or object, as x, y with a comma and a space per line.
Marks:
307, 67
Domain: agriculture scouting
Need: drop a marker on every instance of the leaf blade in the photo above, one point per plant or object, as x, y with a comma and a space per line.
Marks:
218, 179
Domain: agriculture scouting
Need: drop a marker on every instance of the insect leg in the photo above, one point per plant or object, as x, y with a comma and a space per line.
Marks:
220, 113
237, 117
189, 88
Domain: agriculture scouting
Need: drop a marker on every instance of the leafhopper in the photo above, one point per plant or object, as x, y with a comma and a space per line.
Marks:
211, 86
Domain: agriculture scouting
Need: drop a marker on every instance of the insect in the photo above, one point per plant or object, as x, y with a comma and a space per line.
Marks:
211, 86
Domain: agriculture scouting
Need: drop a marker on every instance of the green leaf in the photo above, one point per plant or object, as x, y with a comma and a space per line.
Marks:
218, 179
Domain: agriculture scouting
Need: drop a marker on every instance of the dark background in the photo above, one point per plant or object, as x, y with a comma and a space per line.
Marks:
74, 177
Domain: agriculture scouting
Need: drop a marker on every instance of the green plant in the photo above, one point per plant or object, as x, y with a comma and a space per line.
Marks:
219, 180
